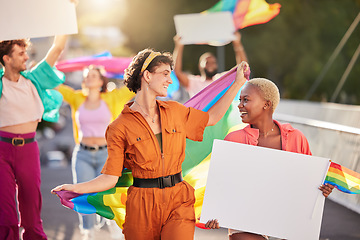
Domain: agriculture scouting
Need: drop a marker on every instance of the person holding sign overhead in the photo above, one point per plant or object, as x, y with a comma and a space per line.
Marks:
258, 101
24, 101
149, 137
207, 66
26, 97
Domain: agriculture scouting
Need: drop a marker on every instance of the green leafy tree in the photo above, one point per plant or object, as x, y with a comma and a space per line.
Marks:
291, 49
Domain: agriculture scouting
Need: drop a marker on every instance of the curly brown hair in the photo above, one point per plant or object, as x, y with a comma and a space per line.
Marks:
6, 47
132, 75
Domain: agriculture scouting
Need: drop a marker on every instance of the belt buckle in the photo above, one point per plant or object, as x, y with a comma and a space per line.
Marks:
94, 148
15, 140
166, 182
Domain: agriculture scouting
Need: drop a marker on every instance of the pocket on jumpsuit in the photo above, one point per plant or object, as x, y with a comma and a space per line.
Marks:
141, 151
176, 138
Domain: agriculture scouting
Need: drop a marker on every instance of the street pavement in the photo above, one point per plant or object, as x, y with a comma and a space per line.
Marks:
339, 223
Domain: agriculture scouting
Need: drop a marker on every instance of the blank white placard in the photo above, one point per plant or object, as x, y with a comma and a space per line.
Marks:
265, 191
205, 28
36, 18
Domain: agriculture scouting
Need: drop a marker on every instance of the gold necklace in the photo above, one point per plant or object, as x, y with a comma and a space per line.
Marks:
267, 133
152, 118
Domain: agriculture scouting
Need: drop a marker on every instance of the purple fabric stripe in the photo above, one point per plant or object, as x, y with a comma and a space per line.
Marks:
65, 198
205, 96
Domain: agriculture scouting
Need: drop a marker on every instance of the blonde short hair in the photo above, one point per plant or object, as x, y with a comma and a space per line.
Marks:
268, 89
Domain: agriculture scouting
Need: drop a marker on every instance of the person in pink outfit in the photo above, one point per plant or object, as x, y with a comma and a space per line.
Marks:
208, 66
26, 97
258, 101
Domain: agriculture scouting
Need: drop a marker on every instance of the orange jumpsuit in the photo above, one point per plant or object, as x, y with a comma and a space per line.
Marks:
154, 213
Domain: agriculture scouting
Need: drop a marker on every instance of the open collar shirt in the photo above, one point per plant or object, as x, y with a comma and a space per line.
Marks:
292, 140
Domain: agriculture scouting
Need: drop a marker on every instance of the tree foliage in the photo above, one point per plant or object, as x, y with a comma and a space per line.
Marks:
291, 49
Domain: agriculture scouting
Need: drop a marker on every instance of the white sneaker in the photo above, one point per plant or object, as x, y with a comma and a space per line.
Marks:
100, 222
115, 230
87, 234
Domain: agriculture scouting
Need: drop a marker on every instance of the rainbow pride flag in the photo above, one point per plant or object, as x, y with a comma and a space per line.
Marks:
111, 203
114, 67
343, 179
247, 12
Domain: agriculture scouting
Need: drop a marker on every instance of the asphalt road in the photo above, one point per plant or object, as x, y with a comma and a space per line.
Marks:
59, 223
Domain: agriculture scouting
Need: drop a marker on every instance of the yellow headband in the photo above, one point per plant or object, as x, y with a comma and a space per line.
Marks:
148, 60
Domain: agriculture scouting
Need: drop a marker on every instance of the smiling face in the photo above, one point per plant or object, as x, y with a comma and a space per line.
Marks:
17, 58
159, 80
209, 66
92, 79
252, 104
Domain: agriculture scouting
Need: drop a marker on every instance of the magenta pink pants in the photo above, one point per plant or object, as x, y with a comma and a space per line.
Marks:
20, 170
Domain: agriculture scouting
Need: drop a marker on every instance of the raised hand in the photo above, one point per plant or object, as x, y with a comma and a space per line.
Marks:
242, 72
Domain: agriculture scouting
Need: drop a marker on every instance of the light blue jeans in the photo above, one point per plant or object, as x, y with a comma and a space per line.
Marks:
87, 165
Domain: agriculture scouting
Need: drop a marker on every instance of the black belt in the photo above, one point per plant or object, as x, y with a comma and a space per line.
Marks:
17, 141
160, 182
93, 148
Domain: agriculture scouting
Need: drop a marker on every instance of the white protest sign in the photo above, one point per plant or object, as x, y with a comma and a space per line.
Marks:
36, 18
265, 191
205, 28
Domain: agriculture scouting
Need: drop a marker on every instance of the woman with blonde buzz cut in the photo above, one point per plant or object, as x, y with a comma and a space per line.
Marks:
258, 101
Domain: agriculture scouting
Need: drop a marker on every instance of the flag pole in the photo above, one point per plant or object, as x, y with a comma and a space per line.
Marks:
220, 55
346, 74
333, 56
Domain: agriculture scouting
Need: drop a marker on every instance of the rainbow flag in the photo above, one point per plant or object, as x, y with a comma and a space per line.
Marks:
114, 67
343, 179
111, 203
247, 12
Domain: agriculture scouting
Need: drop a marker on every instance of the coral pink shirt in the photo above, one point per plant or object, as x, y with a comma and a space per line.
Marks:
292, 140
19, 103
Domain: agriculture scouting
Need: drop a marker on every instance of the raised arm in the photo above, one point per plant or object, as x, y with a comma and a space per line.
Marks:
239, 50
178, 55
101, 183
56, 49
217, 111
58, 45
